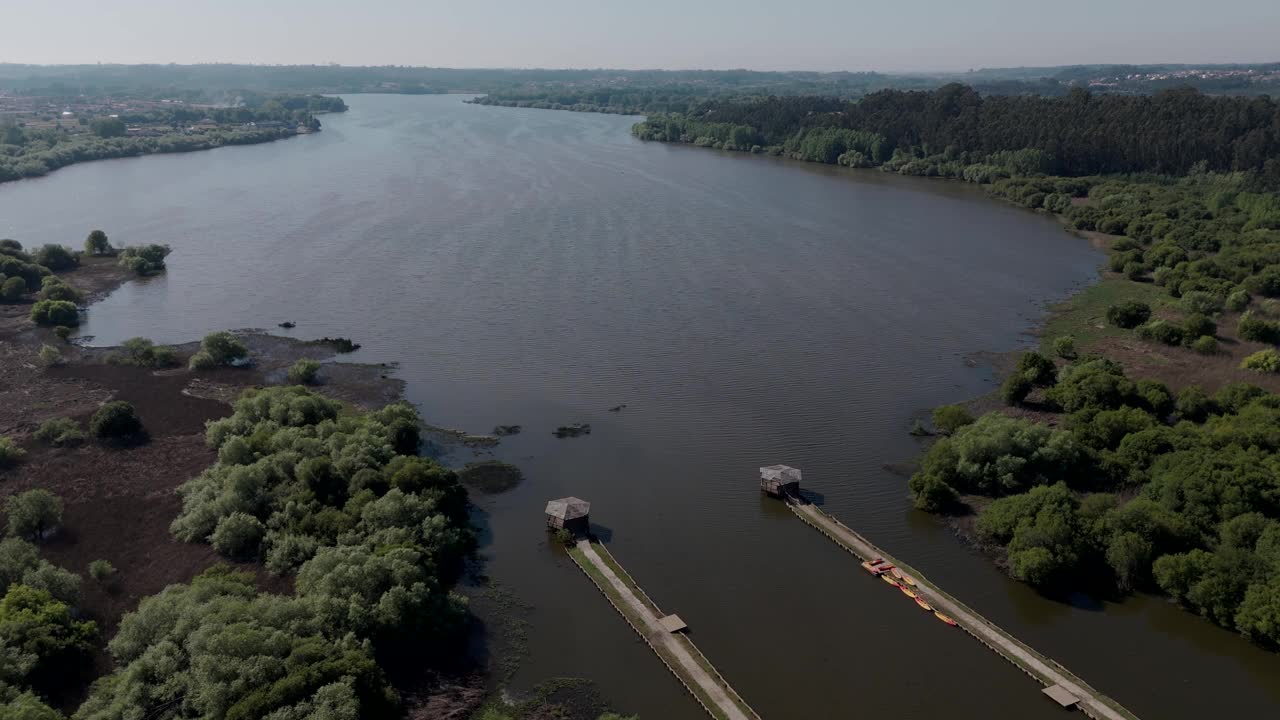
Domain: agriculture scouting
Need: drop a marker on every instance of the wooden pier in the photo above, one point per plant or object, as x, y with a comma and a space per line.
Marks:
1060, 684
662, 633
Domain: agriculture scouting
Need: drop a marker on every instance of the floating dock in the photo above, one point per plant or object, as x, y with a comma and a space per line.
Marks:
661, 632
1059, 683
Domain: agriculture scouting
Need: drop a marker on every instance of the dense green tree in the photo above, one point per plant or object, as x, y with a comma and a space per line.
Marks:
97, 243
33, 513
115, 420
55, 312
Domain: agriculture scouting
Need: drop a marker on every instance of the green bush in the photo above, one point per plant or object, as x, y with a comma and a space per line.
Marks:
1198, 302
1194, 405
144, 259
55, 312
1197, 325
1016, 388
49, 356
1263, 361
55, 257
33, 514
142, 352
1161, 331
238, 536
63, 332
115, 420
950, 418
1037, 368
1065, 347
1205, 345
218, 349
10, 453
55, 288
101, 570
60, 432
1252, 327
1238, 300
304, 371
13, 289
1129, 314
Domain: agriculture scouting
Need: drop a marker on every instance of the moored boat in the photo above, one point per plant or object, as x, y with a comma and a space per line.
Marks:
907, 579
907, 591
944, 618
890, 580
921, 602
898, 574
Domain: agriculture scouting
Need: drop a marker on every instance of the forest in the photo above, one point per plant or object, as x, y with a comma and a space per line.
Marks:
956, 130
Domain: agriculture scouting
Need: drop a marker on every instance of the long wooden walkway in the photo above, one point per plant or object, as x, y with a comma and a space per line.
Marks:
676, 650
1048, 672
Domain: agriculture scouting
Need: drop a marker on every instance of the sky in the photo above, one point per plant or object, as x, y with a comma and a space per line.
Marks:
888, 35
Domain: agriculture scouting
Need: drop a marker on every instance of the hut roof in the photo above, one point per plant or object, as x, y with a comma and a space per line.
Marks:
1061, 695
568, 508
780, 472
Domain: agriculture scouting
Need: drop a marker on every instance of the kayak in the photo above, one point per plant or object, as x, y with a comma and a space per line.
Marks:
890, 580
907, 591
944, 618
920, 601
907, 579
898, 574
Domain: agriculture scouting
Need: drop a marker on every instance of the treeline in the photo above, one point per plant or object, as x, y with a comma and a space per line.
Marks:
1171, 132
1139, 488
45, 151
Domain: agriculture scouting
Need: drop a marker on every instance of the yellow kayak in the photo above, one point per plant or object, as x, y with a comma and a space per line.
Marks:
897, 573
907, 579
920, 601
890, 580
907, 591
944, 618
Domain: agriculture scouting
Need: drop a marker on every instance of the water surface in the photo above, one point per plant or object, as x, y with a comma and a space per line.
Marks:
537, 268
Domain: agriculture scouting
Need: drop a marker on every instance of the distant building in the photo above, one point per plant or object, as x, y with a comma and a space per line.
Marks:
779, 480
570, 513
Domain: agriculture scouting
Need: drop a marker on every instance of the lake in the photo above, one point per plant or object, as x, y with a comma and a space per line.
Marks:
539, 268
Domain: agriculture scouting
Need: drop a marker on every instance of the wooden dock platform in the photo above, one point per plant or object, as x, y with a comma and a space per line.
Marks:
663, 633
1050, 674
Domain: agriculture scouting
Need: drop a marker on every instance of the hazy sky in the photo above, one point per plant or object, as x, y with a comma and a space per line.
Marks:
791, 34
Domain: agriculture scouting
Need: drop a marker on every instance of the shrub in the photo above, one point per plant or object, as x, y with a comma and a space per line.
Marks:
238, 536
564, 537
115, 421
1266, 282
33, 514
1263, 361
1016, 389
55, 288
10, 453
1197, 325
1203, 303
1205, 345
142, 352
1065, 347
1238, 301
304, 371
60, 432
1155, 396
101, 570
1134, 270
55, 312
1161, 331
97, 244
55, 257
49, 356
13, 289
1252, 327
950, 418
1194, 405
63, 332
217, 349
144, 259
1037, 368
1128, 314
